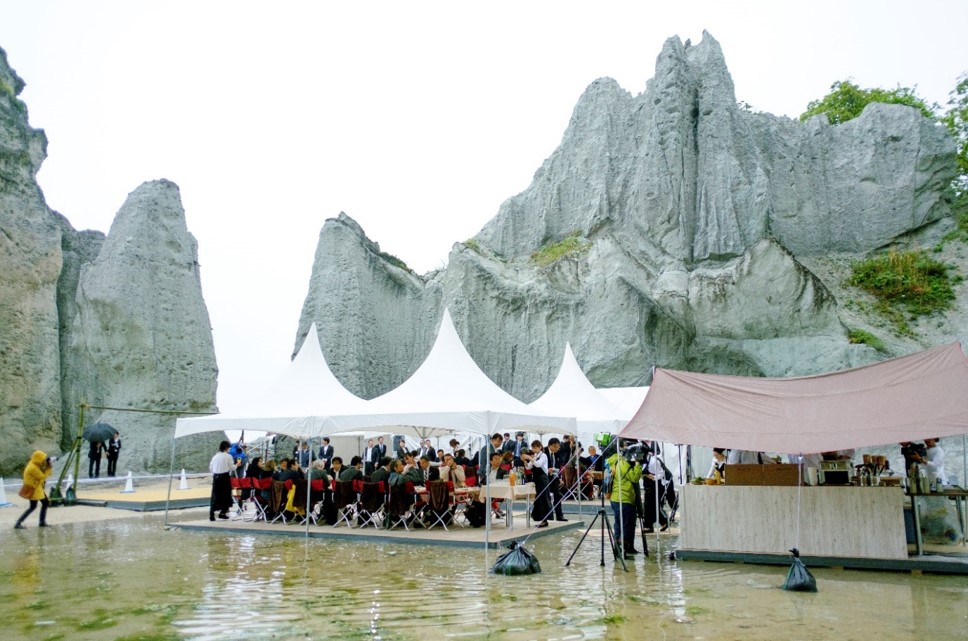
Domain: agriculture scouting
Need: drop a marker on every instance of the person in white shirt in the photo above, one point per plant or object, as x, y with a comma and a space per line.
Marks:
220, 466
935, 462
537, 462
451, 471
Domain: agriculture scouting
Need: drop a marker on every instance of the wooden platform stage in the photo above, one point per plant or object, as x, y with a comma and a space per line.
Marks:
457, 536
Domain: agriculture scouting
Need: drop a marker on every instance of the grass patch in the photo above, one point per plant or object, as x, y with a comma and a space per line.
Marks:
101, 621
473, 245
905, 284
570, 247
959, 210
861, 337
396, 262
613, 619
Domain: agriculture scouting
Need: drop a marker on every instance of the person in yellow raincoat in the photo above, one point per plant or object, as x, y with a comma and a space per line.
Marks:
35, 476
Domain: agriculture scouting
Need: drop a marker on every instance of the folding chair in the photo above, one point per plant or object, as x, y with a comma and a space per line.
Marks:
255, 498
296, 500
438, 511
459, 502
400, 505
277, 501
236, 497
346, 500
316, 498
569, 483
372, 504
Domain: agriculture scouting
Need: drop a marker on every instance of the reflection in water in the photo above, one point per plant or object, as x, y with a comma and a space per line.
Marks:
133, 580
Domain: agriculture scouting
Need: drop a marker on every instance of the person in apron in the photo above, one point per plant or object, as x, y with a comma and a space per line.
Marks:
537, 462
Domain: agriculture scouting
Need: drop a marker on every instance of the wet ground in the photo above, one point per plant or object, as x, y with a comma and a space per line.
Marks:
132, 579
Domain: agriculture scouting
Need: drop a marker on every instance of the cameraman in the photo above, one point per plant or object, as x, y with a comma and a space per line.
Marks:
621, 494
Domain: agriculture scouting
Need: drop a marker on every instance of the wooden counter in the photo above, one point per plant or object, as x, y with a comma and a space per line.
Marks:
855, 522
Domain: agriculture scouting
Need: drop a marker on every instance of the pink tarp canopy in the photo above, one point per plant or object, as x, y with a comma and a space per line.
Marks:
909, 398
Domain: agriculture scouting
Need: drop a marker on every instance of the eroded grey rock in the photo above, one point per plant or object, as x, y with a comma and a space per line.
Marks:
696, 214
30, 263
142, 337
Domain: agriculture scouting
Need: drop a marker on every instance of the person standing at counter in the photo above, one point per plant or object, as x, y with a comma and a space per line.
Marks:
717, 471
934, 462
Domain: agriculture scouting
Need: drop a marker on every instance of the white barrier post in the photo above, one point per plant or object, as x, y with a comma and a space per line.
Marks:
68, 482
3, 495
183, 485
129, 484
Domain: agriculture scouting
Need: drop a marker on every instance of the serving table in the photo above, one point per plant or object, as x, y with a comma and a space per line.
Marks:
844, 521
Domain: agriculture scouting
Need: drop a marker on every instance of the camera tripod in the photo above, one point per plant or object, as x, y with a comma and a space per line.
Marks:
606, 527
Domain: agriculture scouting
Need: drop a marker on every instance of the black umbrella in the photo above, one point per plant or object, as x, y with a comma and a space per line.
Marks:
99, 432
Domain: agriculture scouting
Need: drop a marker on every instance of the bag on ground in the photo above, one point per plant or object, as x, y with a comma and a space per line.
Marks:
799, 578
516, 561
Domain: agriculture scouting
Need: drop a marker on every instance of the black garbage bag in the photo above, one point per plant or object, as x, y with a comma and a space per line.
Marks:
799, 578
516, 561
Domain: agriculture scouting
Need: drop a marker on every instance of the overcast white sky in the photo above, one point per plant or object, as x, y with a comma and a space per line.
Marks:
416, 118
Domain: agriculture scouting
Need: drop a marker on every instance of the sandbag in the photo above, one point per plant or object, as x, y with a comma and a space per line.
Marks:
516, 561
799, 578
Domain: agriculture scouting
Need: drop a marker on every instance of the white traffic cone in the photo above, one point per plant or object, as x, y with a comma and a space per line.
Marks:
128, 485
183, 485
3, 495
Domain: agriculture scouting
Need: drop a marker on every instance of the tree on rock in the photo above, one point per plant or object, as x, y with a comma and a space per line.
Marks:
846, 101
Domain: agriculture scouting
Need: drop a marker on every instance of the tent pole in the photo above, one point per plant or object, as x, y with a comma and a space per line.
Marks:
171, 473
799, 492
486, 464
577, 486
309, 484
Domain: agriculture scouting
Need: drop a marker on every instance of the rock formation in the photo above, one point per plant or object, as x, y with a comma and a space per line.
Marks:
30, 263
113, 321
689, 220
142, 337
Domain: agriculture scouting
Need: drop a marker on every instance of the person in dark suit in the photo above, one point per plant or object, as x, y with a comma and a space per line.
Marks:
370, 458
428, 472
382, 472
326, 452
114, 451
352, 472
555, 461
381, 448
427, 449
517, 447
507, 445
484, 456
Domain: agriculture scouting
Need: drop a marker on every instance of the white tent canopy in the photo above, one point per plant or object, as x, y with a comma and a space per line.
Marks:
294, 405
627, 399
572, 394
448, 393
918, 396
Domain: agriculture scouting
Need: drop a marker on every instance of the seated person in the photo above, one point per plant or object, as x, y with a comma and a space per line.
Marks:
280, 469
317, 471
381, 473
291, 472
353, 472
451, 471
461, 458
397, 476
428, 472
